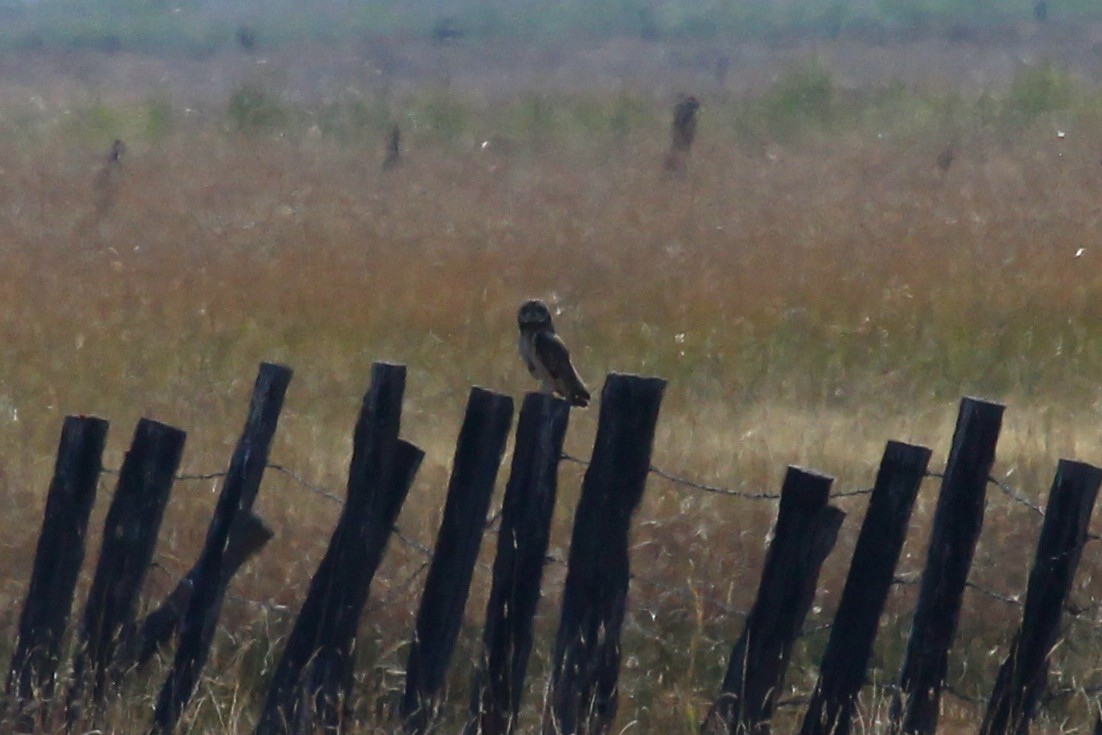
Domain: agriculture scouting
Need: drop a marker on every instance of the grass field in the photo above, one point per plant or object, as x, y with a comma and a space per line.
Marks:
813, 286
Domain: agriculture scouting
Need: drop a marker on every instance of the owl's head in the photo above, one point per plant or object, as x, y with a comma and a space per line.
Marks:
534, 315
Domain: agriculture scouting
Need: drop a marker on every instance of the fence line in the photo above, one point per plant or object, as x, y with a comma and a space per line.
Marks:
686, 593
683, 593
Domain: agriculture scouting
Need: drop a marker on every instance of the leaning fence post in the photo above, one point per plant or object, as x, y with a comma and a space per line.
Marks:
518, 566
232, 514
248, 533
313, 678
803, 536
1023, 674
582, 694
57, 559
956, 528
129, 537
846, 659
474, 470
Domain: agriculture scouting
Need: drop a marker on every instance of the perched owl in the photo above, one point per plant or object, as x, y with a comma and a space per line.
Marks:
546, 356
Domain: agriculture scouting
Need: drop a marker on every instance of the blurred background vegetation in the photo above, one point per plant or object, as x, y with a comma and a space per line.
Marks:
198, 27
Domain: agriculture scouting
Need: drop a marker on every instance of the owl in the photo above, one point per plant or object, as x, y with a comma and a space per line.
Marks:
546, 356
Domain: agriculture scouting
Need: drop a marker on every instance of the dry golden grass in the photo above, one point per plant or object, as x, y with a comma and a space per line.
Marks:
806, 301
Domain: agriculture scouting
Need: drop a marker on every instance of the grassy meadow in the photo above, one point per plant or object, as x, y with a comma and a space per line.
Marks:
813, 286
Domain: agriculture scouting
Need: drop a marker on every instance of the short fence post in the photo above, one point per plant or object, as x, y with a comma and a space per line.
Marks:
518, 566
57, 560
582, 693
477, 459
956, 528
313, 678
845, 661
803, 536
248, 533
129, 537
209, 577
1024, 673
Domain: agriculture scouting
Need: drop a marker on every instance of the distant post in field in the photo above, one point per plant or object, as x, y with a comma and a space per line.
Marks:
313, 678
1024, 674
956, 529
518, 566
57, 561
803, 537
129, 537
846, 659
474, 470
232, 518
585, 665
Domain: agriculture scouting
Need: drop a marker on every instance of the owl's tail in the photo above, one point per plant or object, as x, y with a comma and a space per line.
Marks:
579, 396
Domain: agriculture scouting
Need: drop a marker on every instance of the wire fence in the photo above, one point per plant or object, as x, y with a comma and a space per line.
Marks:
1085, 614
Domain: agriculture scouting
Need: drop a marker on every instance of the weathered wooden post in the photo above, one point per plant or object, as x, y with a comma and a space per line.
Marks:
582, 693
248, 533
518, 567
1024, 673
957, 521
474, 470
209, 577
57, 559
846, 659
129, 537
313, 678
803, 536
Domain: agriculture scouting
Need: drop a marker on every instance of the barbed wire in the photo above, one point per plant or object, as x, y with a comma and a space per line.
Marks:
716, 489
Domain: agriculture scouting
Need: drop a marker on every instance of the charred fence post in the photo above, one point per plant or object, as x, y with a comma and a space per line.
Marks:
232, 516
518, 566
474, 470
129, 537
57, 560
582, 692
314, 675
803, 536
248, 533
1024, 673
956, 528
845, 661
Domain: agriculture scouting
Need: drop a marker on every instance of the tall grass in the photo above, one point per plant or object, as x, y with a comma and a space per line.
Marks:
808, 296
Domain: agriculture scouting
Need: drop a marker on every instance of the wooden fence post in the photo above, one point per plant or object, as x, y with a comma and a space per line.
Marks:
845, 661
582, 694
313, 678
248, 533
474, 470
803, 536
129, 537
518, 566
956, 528
57, 559
209, 577
1024, 673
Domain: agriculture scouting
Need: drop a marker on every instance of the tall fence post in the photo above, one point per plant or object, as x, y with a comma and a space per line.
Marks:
582, 694
313, 678
956, 528
846, 659
803, 536
474, 470
248, 532
232, 514
57, 560
518, 566
1024, 673
129, 537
